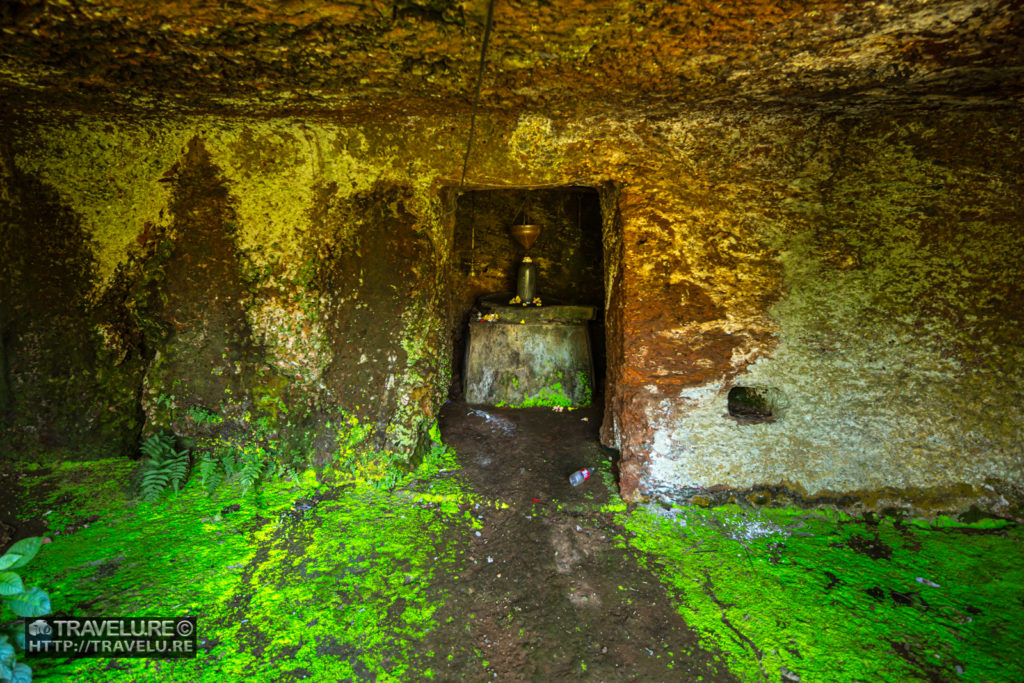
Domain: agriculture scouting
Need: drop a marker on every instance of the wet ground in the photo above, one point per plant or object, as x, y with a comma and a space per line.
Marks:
552, 595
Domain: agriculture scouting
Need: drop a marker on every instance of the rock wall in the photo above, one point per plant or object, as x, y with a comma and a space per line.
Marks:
866, 270
215, 278
61, 383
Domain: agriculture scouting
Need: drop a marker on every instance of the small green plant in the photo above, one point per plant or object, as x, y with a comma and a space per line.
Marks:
211, 472
392, 467
165, 467
253, 466
586, 394
165, 401
394, 474
439, 457
435, 433
247, 464
203, 416
25, 603
272, 406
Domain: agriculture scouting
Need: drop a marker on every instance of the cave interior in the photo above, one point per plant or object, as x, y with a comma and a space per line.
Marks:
255, 232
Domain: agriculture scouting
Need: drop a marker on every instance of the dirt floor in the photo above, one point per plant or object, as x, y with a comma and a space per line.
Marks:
553, 596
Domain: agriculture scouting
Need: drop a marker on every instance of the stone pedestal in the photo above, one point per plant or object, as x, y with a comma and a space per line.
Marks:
525, 356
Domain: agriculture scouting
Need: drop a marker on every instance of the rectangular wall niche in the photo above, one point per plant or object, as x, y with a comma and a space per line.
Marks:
568, 254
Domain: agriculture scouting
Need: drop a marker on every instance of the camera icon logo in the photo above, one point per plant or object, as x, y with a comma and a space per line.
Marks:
39, 627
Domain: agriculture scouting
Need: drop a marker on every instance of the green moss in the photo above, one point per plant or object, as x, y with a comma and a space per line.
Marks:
422, 383
944, 522
583, 381
340, 580
324, 581
535, 143
548, 397
831, 598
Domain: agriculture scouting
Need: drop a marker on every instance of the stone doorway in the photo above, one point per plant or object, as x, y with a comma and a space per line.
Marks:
569, 255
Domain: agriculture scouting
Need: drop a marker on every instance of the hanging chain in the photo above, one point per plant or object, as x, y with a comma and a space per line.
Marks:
472, 131
476, 96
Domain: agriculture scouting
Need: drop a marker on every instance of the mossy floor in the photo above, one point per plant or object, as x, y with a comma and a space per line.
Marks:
497, 568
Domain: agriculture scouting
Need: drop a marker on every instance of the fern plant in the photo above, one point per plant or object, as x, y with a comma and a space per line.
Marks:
203, 416
247, 464
211, 471
165, 467
252, 468
229, 464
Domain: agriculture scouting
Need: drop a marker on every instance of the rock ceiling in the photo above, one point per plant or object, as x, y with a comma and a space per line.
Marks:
569, 57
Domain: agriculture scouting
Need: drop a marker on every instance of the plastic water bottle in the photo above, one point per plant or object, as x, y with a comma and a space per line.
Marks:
580, 476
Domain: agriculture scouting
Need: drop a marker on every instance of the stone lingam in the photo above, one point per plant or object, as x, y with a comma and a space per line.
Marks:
524, 352
526, 279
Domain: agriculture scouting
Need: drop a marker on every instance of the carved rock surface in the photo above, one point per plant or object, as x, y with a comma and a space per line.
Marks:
819, 199
576, 56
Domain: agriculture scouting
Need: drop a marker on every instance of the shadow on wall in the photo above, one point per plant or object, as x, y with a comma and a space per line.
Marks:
61, 384
192, 324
